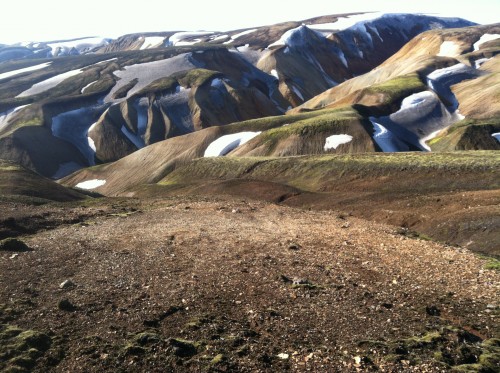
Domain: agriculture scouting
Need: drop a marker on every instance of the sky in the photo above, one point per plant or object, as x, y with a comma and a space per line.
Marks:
39, 20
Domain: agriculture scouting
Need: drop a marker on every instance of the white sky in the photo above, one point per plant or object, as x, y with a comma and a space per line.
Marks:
39, 20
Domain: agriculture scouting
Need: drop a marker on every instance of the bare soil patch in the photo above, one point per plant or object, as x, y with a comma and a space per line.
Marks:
232, 284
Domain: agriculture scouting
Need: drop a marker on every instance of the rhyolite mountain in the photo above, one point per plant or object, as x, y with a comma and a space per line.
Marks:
334, 84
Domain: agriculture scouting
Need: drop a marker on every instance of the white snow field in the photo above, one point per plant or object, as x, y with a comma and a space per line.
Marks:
152, 42
49, 83
6, 115
225, 144
178, 39
416, 99
90, 184
485, 38
346, 22
449, 49
148, 72
236, 36
290, 39
332, 142
65, 46
9, 74
384, 138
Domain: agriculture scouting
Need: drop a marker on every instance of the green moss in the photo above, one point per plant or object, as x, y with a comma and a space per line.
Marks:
398, 88
218, 359
197, 77
493, 264
20, 349
311, 173
185, 348
141, 343
322, 122
160, 85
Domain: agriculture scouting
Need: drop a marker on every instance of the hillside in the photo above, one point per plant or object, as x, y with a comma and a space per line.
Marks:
222, 284
109, 99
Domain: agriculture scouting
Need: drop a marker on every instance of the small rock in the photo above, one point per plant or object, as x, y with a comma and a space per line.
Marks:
66, 284
13, 244
184, 348
432, 310
66, 305
294, 246
236, 211
283, 356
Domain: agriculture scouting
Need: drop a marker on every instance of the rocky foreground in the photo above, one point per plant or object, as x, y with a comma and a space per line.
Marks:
206, 284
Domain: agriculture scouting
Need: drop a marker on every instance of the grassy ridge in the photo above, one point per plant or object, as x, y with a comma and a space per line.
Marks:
313, 172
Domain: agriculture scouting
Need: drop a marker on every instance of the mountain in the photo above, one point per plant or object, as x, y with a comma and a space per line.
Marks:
100, 100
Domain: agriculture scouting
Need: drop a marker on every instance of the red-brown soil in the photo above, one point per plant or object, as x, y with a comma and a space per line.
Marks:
233, 284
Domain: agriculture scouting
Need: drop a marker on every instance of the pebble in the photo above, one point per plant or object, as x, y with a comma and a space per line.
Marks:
66, 284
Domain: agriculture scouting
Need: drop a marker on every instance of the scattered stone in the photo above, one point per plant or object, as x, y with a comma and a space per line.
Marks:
300, 281
433, 310
294, 246
236, 211
184, 348
66, 305
283, 356
13, 244
66, 284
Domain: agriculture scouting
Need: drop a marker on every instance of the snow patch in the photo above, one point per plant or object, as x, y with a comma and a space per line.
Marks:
342, 58
225, 144
332, 142
496, 136
290, 39
85, 44
346, 22
152, 42
484, 39
416, 99
8, 74
49, 83
274, 73
449, 49
479, 62
297, 92
87, 86
236, 36
179, 37
91, 143
220, 37
7, 115
455, 69
383, 137
90, 184
148, 72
